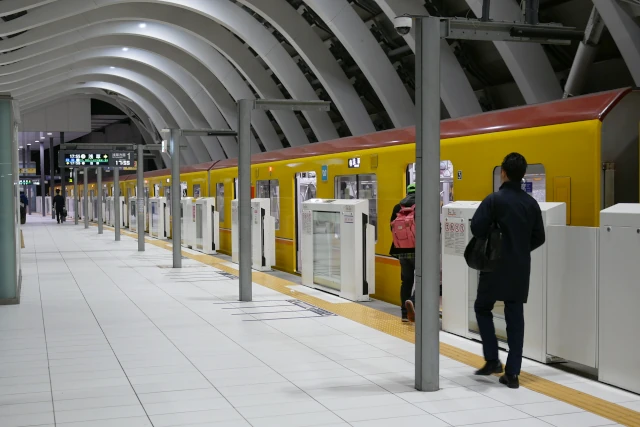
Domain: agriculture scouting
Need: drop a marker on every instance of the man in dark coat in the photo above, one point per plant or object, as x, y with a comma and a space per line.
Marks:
406, 256
58, 204
520, 220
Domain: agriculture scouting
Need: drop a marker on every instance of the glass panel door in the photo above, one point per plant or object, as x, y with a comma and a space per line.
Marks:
220, 201
199, 220
306, 189
326, 249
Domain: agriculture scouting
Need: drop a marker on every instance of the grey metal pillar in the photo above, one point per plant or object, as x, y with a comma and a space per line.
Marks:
43, 184
176, 196
99, 179
428, 204
9, 166
85, 202
63, 182
52, 182
76, 196
245, 107
116, 202
140, 198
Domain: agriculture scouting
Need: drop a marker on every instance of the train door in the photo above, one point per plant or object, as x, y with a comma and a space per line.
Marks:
167, 194
305, 189
220, 201
446, 180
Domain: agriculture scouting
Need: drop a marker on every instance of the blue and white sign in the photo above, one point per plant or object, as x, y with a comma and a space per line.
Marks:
528, 187
325, 173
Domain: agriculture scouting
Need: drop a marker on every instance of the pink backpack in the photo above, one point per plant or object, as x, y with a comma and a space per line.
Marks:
403, 228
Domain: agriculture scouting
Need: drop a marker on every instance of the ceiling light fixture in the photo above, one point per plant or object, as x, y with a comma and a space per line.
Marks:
113, 68
42, 137
125, 49
28, 144
49, 133
143, 25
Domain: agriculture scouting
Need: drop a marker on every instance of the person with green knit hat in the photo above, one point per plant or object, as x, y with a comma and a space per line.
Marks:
403, 248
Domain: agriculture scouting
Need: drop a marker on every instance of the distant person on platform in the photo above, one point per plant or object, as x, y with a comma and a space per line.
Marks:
58, 205
407, 254
520, 220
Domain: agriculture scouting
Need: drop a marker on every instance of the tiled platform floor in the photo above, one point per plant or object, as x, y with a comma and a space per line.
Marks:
106, 336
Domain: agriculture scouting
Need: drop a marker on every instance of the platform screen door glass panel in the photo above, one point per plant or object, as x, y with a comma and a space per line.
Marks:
220, 200
534, 181
306, 189
270, 189
199, 221
446, 180
134, 214
498, 312
326, 249
362, 187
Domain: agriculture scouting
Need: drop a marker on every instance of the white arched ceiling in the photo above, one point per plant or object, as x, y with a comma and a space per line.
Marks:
456, 92
46, 40
317, 56
139, 83
527, 62
9, 7
156, 110
156, 53
183, 86
367, 53
76, 14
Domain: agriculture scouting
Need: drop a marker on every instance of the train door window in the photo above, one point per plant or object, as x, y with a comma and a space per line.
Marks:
446, 180
167, 194
183, 188
156, 190
270, 189
534, 181
360, 187
306, 189
196, 190
220, 200
235, 188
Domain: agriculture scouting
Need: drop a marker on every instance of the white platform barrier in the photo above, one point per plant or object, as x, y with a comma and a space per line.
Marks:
157, 223
340, 244
263, 237
134, 215
207, 226
188, 222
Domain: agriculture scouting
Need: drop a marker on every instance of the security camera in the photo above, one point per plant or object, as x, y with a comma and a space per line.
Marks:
403, 24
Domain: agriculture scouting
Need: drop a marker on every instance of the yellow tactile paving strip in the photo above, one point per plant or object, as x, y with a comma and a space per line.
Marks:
389, 324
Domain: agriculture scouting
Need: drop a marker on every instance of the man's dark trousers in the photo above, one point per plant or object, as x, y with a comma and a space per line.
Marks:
59, 215
514, 317
407, 277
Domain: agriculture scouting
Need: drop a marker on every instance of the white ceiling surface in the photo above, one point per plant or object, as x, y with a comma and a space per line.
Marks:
34, 138
185, 63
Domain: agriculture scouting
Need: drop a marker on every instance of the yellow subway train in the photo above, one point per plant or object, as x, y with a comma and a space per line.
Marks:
583, 151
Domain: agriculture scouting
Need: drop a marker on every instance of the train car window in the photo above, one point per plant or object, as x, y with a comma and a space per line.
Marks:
534, 181
270, 189
196, 190
360, 187
183, 188
446, 180
220, 200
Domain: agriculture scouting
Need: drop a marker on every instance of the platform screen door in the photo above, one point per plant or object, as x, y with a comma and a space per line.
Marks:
306, 189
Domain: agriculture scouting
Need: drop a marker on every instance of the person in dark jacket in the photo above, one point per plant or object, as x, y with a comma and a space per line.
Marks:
58, 204
406, 256
520, 220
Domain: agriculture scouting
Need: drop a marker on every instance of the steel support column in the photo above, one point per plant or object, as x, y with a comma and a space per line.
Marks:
176, 196
99, 179
245, 107
427, 204
140, 198
52, 181
76, 196
85, 195
116, 202
43, 184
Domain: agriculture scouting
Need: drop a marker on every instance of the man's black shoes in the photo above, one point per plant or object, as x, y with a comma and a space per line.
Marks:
490, 368
510, 381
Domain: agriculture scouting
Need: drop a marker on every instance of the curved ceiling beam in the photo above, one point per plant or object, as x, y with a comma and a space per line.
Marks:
205, 67
128, 107
231, 49
140, 60
177, 101
529, 65
76, 14
456, 92
317, 56
9, 7
144, 97
625, 32
367, 53
139, 82
158, 117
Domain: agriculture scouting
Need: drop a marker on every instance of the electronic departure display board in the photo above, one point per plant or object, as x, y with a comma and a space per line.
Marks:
97, 158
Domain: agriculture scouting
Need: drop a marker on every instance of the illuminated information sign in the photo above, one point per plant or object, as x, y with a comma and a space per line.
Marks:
96, 158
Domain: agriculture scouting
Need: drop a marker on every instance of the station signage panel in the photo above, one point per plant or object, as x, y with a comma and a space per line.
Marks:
98, 158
